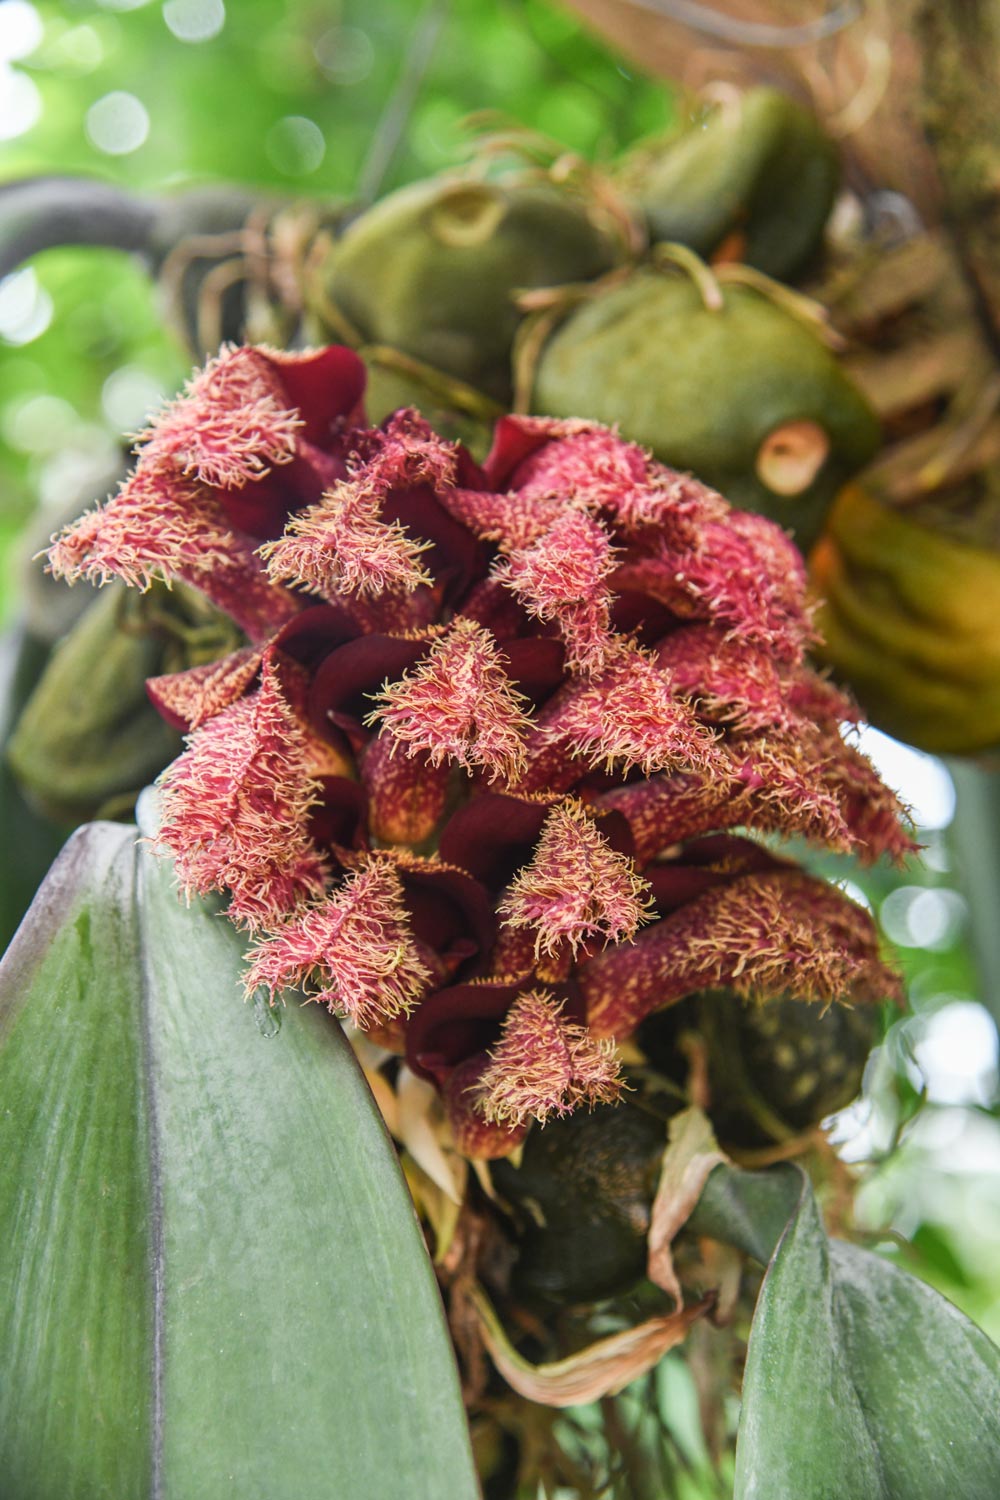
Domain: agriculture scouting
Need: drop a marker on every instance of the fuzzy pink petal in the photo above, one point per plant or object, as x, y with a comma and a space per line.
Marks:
576, 886
164, 525
562, 578
236, 805
355, 952
628, 718
458, 704
187, 699
769, 934
231, 423
544, 1065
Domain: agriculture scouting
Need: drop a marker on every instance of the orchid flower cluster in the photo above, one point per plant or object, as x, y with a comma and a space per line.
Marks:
473, 781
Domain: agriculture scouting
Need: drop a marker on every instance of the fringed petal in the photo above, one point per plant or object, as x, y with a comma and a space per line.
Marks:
187, 699
458, 704
728, 681
544, 1065
628, 718
576, 887
342, 546
230, 424
355, 952
562, 579
768, 934
162, 525
236, 806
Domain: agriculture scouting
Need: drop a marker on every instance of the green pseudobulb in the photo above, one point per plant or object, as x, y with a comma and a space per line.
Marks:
433, 269
584, 1187
759, 173
774, 1069
707, 389
88, 739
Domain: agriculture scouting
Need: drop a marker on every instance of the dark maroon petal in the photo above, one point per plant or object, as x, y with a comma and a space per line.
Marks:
489, 603
493, 834
535, 665
450, 912
350, 673
673, 885
454, 1024
634, 611
327, 386
514, 440
316, 631
340, 817
455, 556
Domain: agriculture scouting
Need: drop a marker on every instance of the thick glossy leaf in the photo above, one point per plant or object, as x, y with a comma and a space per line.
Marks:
860, 1380
212, 1282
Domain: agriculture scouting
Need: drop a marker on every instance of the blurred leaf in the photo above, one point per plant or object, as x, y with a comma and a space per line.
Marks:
213, 1280
859, 1379
30, 841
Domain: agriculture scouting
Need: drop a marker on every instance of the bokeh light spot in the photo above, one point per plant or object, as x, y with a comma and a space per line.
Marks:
918, 917
957, 1054
345, 54
295, 145
117, 123
25, 307
921, 780
20, 102
129, 397
21, 30
194, 20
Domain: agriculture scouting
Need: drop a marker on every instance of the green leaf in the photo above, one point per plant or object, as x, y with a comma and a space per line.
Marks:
213, 1282
860, 1381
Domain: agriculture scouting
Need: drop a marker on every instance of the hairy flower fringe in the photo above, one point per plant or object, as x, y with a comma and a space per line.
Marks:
545, 1065
770, 934
562, 577
576, 887
628, 718
235, 808
231, 422
159, 525
342, 546
458, 704
187, 699
355, 952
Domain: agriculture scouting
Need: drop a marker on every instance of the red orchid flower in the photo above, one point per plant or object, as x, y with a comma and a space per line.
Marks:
473, 781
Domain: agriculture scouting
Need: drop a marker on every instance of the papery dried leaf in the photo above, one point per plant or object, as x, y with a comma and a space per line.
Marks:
691, 1154
602, 1369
